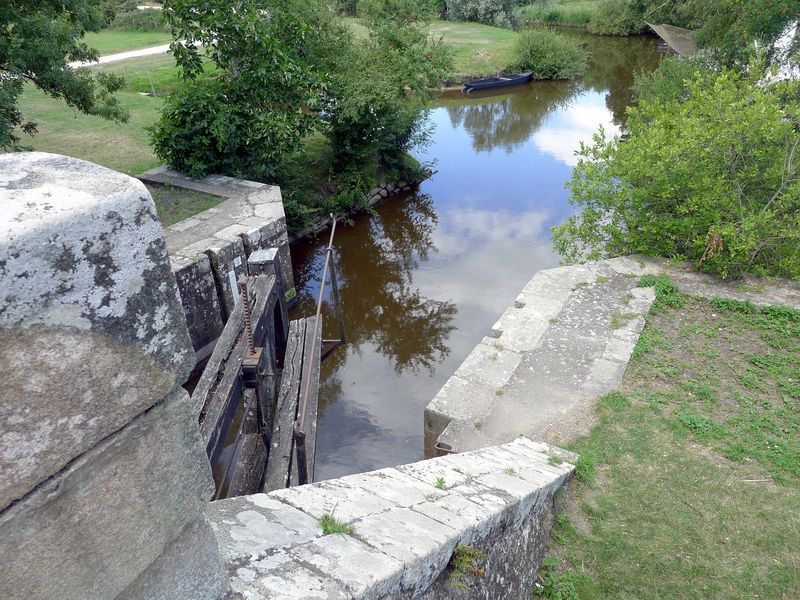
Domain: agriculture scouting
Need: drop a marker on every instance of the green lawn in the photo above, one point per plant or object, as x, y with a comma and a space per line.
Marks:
124, 147
478, 49
111, 41
691, 478
176, 204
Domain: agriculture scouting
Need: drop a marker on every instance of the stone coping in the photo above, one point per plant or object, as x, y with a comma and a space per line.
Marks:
406, 521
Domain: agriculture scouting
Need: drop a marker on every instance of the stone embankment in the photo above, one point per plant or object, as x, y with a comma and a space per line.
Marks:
209, 251
374, 196
567, 339
405, 524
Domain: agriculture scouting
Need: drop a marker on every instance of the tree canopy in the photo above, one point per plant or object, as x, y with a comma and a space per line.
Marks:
38, 41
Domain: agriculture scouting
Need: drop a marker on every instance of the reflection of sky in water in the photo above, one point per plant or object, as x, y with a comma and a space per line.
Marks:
566, 129
502, 163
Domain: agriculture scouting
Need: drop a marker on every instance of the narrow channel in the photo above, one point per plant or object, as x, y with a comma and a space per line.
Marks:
424, 278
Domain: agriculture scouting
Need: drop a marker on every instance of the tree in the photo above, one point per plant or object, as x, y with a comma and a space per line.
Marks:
39, 39
261, 94
709, 173
380, 85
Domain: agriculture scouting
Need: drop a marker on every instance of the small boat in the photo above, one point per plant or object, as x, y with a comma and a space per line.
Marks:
497, 82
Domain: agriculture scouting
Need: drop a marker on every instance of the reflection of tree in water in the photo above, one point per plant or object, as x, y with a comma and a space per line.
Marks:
507, 121
510, 120
613, 65
381, 307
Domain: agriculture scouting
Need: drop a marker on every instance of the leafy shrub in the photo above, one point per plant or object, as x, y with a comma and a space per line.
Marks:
617, 17
549, 55
711, 178
204, 128
500, 13
140, 20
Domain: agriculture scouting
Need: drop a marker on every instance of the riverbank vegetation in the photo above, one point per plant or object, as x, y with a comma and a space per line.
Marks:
549, 55
708, 169
691, 477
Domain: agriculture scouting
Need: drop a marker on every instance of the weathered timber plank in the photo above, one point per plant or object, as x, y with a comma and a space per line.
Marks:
252, 456
311, 360
215, 389
228, 344
281, 445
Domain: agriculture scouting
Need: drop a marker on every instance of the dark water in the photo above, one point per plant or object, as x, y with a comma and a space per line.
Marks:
423, 280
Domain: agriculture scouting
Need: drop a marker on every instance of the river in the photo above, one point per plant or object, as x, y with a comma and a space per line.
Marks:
424, 278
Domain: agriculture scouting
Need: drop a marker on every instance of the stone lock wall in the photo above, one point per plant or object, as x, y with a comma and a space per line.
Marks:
209, 250
105, 478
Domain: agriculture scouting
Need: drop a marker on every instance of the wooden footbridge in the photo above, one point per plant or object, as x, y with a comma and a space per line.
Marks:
258, 395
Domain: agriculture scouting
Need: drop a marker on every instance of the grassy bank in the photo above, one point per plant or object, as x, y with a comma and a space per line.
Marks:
691, 481
110, 41
570, 13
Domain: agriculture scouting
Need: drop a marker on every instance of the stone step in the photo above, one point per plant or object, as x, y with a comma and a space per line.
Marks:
566, 340
405, 524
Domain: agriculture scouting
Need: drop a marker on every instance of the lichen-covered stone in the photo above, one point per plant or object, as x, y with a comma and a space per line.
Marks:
89, 531
92, 327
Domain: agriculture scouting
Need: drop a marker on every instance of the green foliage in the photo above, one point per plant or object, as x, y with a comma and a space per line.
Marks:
38, 41
379, 86
730, 29
617, 17
549, 55
140, 20
268, 79
499, 13
613, 401
712, 178
440, 483
465, 565
699, 425
586, 468
742, 306
549, 12
667, 293
331, 524
555, 585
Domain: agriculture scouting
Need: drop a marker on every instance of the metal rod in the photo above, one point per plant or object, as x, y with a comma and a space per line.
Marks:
248, 319
307, 380
302, 465
300, 424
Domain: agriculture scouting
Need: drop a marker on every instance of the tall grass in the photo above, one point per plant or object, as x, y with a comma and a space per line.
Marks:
575, 13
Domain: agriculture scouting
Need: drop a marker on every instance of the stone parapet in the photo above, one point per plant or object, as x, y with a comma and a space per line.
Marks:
104, 468
250, 219
406, 523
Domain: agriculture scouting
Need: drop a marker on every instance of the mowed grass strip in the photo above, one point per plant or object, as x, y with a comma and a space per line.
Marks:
112, 41
693, 485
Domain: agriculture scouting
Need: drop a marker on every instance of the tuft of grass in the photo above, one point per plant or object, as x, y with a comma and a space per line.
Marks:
613, 401
510, 471
331, 525
465, 564
555, 583
440, 483
667, 293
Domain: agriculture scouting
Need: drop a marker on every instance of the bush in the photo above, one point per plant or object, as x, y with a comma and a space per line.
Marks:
549, 55
140, 20
204, 128
617, 17
499, 13
711, 177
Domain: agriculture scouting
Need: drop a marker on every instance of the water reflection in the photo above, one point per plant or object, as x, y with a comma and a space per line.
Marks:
507, 121
424, 278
